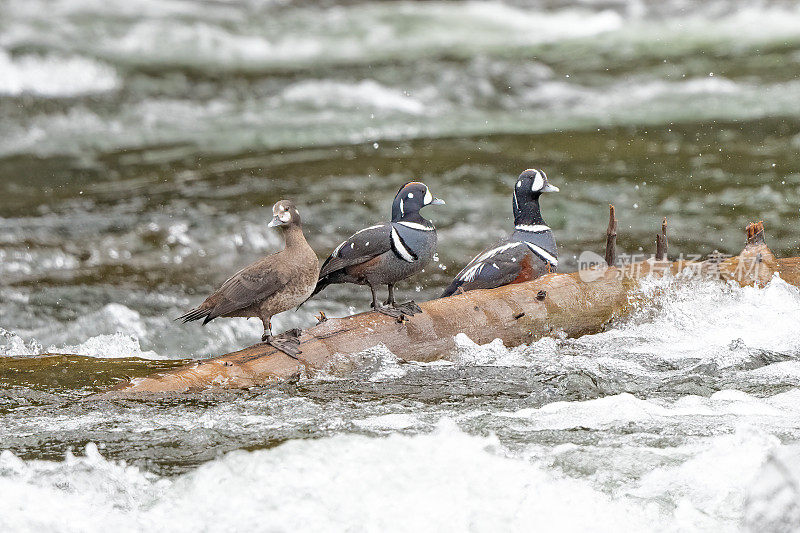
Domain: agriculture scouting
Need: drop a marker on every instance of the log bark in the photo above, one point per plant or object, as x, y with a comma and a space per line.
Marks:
572, 304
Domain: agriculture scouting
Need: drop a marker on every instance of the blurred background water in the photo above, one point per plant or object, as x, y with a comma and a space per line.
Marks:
143, 143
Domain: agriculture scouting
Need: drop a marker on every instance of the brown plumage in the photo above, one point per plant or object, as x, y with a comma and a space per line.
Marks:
271, 285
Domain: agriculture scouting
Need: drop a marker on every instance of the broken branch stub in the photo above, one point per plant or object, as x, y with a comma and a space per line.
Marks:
661, 242
611, 237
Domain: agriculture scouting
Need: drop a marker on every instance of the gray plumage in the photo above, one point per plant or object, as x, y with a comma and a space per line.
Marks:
388, 252
528, 253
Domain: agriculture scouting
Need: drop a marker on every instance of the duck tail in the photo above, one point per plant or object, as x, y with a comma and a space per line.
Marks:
451, 289
196, 314
321, 284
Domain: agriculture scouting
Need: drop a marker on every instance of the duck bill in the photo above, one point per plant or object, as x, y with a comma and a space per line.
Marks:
437, 201
550, 188
275, 222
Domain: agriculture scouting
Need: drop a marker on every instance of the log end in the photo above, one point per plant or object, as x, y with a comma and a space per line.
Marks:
612, 221
755, 233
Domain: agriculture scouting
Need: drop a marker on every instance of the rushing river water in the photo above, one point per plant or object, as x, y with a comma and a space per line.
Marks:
143, 143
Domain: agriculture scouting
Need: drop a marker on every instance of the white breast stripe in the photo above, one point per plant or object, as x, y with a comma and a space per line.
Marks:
544, 254
535, 228
414, 225
401, 249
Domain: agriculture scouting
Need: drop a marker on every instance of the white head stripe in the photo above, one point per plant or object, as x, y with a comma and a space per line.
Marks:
414, 225
544, 254
538, 182
402, 208
535, 228
405, 255
428, 196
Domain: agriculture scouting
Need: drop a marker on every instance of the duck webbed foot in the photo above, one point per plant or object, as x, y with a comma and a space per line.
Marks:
409, 308
287, 342
391, 311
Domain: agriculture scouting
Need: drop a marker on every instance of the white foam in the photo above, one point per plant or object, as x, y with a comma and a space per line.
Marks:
622, 409
682, 325
365, 94
53, 76
452, 481
773, 501
108, 346
112, 331
13, 344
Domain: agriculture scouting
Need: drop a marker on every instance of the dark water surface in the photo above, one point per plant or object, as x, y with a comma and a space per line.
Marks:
142, 146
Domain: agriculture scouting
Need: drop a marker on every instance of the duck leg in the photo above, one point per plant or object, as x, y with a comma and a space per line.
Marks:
408, 308
390, 301
267, 328
384, 309
287, 342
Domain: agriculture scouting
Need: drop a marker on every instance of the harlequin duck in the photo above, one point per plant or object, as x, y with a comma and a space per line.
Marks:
529, 252
269, 286
387, 252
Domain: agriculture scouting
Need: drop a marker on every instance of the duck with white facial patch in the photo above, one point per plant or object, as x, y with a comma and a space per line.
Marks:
387, 253
529, 252
269, 286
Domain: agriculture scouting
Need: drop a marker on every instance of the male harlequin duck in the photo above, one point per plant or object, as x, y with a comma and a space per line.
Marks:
388, 252
269, 286
528, 253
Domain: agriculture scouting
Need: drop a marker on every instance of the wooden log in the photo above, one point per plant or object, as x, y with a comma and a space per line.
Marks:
572, 305
518, 314
566, 304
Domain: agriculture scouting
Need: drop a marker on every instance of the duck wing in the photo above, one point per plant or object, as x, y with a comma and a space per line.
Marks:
496, 266
251, 285
360, 247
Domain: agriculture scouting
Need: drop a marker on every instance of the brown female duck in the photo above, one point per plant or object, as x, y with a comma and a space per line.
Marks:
269, 286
